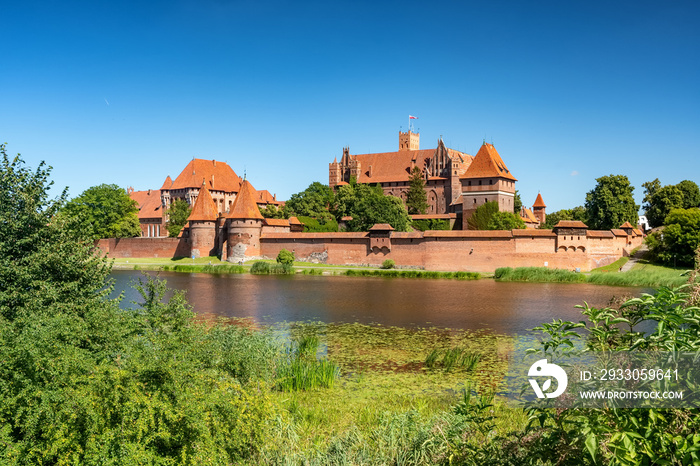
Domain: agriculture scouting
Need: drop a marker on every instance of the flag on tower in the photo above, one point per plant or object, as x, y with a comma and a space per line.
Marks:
411, 117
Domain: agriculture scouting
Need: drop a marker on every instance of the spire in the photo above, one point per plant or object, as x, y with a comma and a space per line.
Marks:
539, 202
245, 206
204, 207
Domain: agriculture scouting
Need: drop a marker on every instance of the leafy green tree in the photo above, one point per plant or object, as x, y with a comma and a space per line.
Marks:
611, 203
271, 211
517, 203
691, 194
661, 203
85, 382
482, 216
677, 244
178, 213
285, 257
367, 205
577, 213
505, 221
315, 201
416, 198
105, 211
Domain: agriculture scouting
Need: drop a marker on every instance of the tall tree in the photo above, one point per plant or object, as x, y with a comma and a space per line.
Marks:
367, 205
178, 213
481, 217
610, 203
517, 203
105, 211
679, 241
416, 199
315, 201
691, 194
505, 221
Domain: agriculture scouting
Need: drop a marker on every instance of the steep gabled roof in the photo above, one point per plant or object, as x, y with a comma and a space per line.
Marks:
218, 176
204, 207
385, 167
487, 163
626, 225
528, 216
167, 183
539, 202
245, 206
149, 203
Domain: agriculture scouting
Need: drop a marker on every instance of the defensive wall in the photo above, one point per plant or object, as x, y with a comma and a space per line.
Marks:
463, 250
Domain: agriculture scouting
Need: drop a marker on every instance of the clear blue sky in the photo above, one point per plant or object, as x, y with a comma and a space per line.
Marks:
128, 92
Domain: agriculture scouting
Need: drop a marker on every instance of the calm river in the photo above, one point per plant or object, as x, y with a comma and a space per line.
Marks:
479, 304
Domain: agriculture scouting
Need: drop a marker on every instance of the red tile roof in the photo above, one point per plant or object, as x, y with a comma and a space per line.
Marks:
638, 232
217, 175
570, 224
149, 203
204, 207
618, 232
539, 202
600, 234
264, 197
487, 163
468, 234
167, 183
245, 206
294, 221
532, 232
381, 227
277, 222
316, 235
529, 217
626, 225
432, 216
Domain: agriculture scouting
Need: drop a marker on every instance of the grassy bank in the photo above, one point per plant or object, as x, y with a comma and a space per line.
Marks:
412, 274
644, 275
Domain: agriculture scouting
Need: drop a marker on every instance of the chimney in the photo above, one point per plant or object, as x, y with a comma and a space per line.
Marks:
214, 162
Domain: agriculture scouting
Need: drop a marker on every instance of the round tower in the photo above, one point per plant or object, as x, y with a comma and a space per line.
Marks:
244, 226
202, 221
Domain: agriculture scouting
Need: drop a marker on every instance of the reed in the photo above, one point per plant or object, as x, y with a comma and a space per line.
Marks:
393, 273
300, 369
537, 274
452, 358
267, 268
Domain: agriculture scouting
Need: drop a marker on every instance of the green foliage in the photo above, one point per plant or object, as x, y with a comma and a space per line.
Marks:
537, 274
481, 217
659, 201
613, 435
677, 243
577, 213
367, 205
452, 358
315, 201
285, 257
85, 382
265, 268
301, 370
105, 211
430, 224
505, 221
319, 225
388, 264
178, 213
611, 203
412, 274
517, 203
416, 198
271, 211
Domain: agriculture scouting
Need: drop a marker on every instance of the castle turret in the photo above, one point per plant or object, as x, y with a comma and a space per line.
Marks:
538, 209
203, 225
409, 141
245, 225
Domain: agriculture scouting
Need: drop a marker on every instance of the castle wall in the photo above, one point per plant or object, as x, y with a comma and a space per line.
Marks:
202, 239
144, 247
478, 251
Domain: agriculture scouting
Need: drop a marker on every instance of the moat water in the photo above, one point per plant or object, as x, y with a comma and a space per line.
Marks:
511, 308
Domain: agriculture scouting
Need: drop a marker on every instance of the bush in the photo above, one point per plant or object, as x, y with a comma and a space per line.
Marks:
388, 264
265, 268
285, 257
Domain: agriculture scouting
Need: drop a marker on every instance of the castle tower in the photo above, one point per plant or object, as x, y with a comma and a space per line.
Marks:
334, 174
538, 209
409, 140
203, 225
244, 225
